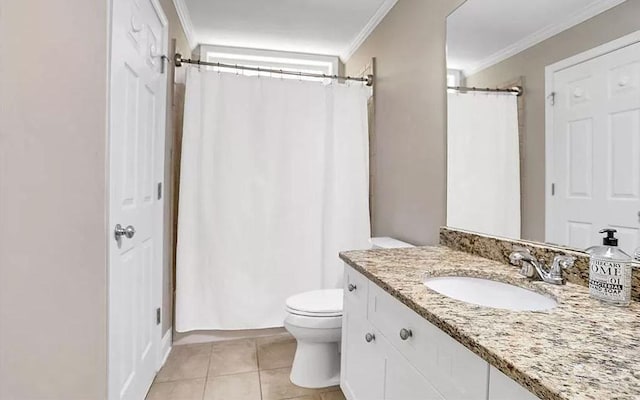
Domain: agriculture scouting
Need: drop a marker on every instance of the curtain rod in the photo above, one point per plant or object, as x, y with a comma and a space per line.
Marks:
517, 90
178, 61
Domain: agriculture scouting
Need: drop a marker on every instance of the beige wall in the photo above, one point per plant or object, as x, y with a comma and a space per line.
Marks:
530, 64
175, 107
409, 144
53, 243
53, 191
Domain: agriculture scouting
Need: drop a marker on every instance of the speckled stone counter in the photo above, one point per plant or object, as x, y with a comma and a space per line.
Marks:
582, 349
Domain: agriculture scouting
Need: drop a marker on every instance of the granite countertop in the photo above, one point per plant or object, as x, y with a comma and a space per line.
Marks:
582, 349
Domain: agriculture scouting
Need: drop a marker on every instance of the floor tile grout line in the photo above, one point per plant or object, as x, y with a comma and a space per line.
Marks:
257, 355
195, 378
259, 376
206, 377
234, 373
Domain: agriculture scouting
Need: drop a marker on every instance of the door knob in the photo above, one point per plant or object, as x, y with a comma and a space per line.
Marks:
127, 232
351, 287
369, 337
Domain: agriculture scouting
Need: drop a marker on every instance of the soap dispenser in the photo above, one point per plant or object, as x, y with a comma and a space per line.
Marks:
610, 271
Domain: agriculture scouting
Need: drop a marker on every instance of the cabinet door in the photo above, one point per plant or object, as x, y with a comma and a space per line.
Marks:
404, 382
501, 387
363, 363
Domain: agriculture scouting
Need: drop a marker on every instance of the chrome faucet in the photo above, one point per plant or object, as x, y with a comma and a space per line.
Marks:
532, 268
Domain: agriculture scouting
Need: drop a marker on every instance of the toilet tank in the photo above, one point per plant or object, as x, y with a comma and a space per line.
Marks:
387, 243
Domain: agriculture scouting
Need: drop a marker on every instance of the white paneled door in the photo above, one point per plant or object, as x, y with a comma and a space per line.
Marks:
596, 150
137, 123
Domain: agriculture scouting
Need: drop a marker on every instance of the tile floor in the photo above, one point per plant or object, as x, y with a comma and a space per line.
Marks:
248, 369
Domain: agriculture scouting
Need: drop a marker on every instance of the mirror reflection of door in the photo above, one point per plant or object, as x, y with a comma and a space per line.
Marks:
579, 159
594, 159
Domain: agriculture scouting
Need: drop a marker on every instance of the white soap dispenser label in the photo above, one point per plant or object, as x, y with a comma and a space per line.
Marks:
606, 279
610, 271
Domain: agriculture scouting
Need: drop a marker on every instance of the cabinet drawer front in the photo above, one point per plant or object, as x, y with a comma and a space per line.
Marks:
453, 370
355, 291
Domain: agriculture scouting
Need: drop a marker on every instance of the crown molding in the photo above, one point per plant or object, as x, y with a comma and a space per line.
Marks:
382, 11
185, 20
543, 34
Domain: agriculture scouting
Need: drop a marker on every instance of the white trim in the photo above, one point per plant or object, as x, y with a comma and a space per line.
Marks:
158, 174
382, 11
457, 74
160, 12
165, 347
211, 336
108, 177
549, 72
543, 34
548, 153
187, 24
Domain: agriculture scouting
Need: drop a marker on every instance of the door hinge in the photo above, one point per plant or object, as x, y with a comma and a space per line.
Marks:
552, 98
553, 189
163, 58
159, 190
158, 316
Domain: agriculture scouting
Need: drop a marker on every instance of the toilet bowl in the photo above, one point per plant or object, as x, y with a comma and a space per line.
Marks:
315, 320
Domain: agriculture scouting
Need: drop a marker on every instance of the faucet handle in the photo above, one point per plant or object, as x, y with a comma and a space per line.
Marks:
518, 254
560, 263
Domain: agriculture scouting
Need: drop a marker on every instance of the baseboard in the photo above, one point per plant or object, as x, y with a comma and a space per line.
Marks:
219, 336
165, 346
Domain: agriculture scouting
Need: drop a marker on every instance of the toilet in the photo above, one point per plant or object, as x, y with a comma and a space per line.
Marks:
315, 320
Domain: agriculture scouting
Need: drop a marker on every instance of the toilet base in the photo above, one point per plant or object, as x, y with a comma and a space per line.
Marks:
316, 365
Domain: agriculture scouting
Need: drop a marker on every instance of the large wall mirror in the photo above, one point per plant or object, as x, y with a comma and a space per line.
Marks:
551, 151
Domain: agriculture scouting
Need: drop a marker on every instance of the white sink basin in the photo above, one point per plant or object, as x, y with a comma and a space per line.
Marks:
488, 293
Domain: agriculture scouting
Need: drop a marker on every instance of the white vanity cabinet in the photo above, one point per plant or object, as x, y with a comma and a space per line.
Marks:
501, 387
389, 352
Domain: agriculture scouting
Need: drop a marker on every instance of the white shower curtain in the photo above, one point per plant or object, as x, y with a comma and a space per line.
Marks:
273, 184
483, 157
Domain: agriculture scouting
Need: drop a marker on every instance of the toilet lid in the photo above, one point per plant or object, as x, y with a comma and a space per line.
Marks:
326, 303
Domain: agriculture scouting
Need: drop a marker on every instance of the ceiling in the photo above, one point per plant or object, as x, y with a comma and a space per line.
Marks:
483, 32
331, 27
